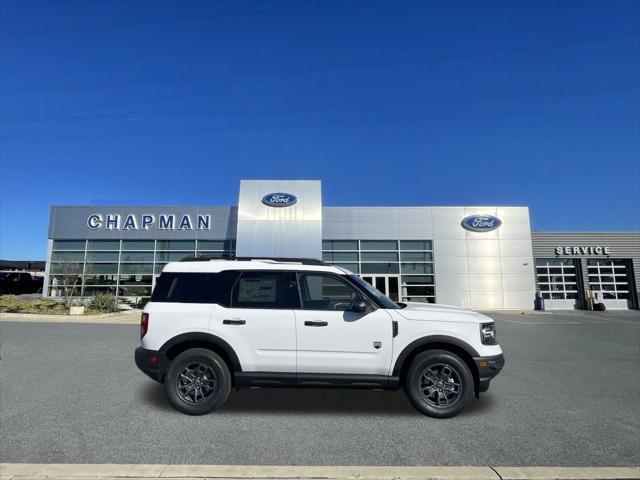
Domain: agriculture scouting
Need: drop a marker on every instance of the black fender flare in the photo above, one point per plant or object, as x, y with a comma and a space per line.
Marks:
431, 339
202, 337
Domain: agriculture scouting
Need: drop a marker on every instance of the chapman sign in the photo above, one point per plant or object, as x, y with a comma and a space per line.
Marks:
144, 222
582, 250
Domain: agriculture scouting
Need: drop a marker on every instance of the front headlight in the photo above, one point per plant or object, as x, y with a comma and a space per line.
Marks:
488, 333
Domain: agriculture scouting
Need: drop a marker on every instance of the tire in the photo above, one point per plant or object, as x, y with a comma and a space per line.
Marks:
204, 378
435, 394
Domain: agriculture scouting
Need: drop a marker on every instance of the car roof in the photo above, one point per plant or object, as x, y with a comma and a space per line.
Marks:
256, 264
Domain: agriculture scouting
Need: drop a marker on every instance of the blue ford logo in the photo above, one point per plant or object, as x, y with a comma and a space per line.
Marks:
481, 223
279, 199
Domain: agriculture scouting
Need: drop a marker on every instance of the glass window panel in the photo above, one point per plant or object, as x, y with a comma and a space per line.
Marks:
378, 245
131, 291
136, 268
556, 278
619, 262
138, 245
100, 279
173, 256
608, 271
572, 295
352, 267
216, 244
379, 257
136, 257
214, 254
379, 268
543, 279
417, 268
136, 279
544, 287
593, 278
608, 287
158, 268
621, 278
417, 256
176, 244
340, 256
68, 244
416, 245
555, 270
67, 256
91, 291
557, 296
546, 295
56, 280
421, 291
556, 287
340, 245
421, 299
260, 290
594, 286
609, 295
102, 256
417, 280
98, 268
623, 295
103, 245
67, 268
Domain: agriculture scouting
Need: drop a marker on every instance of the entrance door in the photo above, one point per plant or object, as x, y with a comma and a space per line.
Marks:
387, 284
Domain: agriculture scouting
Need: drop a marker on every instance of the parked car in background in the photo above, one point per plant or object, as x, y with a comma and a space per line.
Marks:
18, 283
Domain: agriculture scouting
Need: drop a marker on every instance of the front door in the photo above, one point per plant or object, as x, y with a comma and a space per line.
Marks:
387, 284
333, 339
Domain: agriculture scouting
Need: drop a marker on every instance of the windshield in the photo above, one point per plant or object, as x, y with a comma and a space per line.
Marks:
374, 292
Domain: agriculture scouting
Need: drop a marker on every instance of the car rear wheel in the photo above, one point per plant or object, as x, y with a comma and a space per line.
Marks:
197, 381
439, 383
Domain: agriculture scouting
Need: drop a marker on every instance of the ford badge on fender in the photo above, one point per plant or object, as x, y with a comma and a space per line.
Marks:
481, 223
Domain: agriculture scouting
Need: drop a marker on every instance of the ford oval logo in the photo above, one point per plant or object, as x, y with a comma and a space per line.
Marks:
481, 223
279, 199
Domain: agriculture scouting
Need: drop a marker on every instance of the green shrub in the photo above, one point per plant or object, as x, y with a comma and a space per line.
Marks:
104, 302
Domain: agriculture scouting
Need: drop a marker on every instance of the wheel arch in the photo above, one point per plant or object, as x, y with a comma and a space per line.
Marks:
185, 341
437, 342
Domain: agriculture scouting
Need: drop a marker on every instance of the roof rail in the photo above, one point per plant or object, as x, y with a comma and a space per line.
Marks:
303, 261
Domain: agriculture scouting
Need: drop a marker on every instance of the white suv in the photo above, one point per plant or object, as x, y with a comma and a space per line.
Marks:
211, 325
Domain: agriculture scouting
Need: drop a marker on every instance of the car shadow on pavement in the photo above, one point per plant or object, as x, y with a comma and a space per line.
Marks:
314, 401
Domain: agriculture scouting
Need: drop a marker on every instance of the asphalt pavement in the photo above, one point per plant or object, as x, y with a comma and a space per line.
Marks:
569, 396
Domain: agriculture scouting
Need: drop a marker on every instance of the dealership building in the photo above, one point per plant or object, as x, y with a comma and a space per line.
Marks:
479, 257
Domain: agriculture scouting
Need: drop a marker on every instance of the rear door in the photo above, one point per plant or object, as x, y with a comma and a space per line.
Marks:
259, 321
334, 340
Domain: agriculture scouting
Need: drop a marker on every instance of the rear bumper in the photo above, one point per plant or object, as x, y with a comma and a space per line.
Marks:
153, 363
488, 368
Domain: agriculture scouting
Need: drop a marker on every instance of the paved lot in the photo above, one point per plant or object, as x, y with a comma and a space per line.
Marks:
569, 395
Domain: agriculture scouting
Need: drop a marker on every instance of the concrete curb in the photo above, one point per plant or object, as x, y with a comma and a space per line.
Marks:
24, 471
130, 317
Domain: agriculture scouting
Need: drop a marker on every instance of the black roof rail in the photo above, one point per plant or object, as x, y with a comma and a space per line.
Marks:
303, 261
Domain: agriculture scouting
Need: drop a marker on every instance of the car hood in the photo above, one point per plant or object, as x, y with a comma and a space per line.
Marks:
443, 313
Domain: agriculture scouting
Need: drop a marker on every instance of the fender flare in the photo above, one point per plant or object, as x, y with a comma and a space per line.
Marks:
205, 338
431, 339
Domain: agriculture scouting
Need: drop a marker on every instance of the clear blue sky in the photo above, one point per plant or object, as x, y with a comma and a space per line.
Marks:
389, 103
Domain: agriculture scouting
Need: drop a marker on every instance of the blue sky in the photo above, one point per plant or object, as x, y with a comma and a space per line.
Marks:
389, 103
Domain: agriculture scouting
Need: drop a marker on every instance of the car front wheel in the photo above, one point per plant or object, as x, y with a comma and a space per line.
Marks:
197, 381
439, 383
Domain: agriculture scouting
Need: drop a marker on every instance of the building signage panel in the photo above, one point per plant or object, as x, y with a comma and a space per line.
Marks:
481, 223
116, 221
279, 199
583, 250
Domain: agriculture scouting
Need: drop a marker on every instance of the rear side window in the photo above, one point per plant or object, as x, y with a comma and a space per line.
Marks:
264, 290
194, 287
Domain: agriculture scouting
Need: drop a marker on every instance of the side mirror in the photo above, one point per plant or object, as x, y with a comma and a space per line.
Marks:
360, 306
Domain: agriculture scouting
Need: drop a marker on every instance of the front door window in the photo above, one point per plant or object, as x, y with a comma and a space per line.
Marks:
387, 284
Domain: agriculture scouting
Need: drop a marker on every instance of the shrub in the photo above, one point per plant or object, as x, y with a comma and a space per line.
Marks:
104, 302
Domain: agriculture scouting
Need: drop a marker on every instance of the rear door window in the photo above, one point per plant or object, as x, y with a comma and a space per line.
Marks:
272, 290
174, 287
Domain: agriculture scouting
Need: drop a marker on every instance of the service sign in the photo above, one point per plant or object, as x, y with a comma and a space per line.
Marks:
481, 223
279, 199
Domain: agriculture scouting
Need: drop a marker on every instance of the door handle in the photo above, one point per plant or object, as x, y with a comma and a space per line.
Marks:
315, 324
229, 321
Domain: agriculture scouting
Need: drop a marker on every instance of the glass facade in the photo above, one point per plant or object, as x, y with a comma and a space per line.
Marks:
556, 278
125, 268
402, 269
609, 278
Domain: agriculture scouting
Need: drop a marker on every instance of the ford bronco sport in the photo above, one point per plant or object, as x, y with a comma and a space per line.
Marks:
212, 325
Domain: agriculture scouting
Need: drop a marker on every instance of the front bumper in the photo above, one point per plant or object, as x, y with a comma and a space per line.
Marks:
488, 368
153, 363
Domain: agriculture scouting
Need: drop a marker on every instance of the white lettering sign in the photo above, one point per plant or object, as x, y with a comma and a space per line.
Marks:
583, 250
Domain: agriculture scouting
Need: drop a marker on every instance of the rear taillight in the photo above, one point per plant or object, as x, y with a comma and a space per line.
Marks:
144, 324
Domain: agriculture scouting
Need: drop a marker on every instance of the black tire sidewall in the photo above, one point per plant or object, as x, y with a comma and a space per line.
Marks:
223, 380
420, 364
